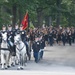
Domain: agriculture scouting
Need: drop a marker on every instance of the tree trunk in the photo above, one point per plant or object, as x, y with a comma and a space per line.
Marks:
14, 13
39, 18
20, 15
47, 20
69, 21
58, 4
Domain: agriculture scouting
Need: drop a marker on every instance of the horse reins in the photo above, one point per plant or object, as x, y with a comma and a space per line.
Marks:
20, 49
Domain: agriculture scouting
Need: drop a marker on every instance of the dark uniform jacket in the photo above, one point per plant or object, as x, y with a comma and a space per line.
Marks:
42, 44
10, 38
36, 46
23, 35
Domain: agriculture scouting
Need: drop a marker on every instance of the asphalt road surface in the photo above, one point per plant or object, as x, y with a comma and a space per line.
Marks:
56, 59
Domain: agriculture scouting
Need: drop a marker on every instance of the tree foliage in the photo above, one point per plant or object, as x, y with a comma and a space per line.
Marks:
58, 12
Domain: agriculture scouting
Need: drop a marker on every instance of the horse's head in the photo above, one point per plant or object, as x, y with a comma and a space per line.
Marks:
4, 37
17, 39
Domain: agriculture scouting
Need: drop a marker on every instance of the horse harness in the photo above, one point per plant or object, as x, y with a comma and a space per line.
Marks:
20, 49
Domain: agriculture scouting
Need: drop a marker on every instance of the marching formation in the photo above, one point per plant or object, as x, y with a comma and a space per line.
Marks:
16, 44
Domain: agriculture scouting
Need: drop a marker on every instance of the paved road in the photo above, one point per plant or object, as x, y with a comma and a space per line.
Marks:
56, 58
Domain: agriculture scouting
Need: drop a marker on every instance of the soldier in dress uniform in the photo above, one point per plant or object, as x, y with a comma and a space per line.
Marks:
23, 34
11, 46
50, 38
3, 31
42, 46
16, 30
28, 45
73, 35
36, 48
10, 39
63, 37
69, 36
54, 36
59, 37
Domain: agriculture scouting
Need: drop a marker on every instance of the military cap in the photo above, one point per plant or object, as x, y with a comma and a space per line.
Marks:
21, 25
3, 26
16, 24
9, 25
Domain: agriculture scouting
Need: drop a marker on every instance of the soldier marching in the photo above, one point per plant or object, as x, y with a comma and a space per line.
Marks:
37, 39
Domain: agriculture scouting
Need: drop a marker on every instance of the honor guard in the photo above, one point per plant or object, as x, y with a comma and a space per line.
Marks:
36, 49
10, 39
23, 34
3, 29
63, 37
2, 32
51, 38
70, 37
25, 39
16, 30
42, 45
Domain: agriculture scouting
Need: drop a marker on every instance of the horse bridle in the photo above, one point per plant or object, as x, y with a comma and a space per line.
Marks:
20, 49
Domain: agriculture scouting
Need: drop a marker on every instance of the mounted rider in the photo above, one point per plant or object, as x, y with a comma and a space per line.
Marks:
2, 32
25, 39
10, 39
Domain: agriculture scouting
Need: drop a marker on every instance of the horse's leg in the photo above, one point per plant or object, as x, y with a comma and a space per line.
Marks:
2, 59
20, 60
17, 58
29, 53
25, 59
10, 60
7, 59
0, 56
13, 58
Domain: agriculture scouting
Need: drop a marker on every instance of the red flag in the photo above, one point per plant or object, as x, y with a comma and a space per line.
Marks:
25, 21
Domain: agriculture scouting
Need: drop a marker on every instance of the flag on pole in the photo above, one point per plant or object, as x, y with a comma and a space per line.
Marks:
25, 21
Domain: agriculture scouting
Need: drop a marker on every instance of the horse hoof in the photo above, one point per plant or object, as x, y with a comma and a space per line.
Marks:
18, 68
21, 68
2, 68
12, 65
36, 61
8, 66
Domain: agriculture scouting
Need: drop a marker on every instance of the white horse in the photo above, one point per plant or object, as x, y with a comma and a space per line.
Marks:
4, 51
21, 55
